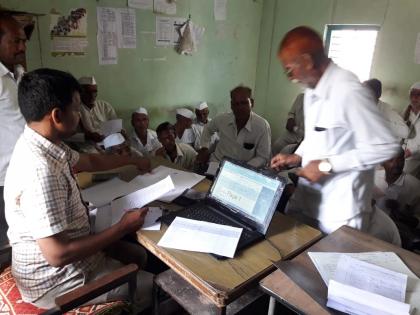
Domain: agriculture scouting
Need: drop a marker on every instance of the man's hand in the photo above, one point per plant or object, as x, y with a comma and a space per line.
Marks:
290, 124
281, 161
311, 171
143, 164
203, 156
133, 219
94, 136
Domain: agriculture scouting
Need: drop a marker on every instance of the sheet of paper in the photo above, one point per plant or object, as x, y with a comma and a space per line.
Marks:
352, 300
372, 278
182, 180
140, 198
326, 264
141, 4
105, 192
107, 36
150, 223
417, 50
126, 28
200, 236
220, 10
212, 169
164, 7
111, 126
164, 31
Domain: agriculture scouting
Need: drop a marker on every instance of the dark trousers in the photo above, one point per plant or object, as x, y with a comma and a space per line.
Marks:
3, 223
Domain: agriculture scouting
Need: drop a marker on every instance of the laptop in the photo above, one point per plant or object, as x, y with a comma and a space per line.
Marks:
240, 196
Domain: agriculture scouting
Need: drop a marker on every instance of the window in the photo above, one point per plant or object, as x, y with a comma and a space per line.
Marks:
352, 47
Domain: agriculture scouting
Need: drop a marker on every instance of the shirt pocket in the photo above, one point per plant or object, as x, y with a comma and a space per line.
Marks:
331, 137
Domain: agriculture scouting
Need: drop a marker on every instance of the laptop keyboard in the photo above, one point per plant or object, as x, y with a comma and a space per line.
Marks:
196, 212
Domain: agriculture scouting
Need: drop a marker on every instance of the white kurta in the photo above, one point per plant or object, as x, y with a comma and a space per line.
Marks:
412, 164
395, 121
92, 118
11, 119
344, 125
152, 143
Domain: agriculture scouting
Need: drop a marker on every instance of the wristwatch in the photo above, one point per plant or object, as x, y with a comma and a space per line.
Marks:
325, 166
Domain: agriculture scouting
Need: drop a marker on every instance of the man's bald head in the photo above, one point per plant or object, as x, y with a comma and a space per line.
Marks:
302, 53
12, 42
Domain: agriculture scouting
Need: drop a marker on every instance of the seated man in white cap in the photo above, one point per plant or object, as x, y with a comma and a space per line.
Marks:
116, 144
244, 135
412, 142
202, 118
93, 112
143, 139
183, 131
181, 154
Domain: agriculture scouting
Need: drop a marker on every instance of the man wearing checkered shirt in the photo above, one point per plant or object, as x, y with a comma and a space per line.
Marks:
53, 249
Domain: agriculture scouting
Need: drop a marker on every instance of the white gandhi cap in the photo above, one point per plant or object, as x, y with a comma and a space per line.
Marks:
113, 140
201, 106
142, 110
415, 86
87, 80
185, 112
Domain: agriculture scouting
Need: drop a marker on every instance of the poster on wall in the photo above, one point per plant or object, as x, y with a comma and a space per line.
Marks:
141, 4
167, 7
167, 30
107, 36
69, 33
126, 28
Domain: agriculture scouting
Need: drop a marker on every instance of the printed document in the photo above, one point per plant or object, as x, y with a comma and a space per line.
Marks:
200, 236
111, 126
140, 198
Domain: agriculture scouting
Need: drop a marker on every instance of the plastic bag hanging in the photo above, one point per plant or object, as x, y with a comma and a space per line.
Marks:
187, 41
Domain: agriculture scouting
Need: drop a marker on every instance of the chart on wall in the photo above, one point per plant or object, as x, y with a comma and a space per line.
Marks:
69, 33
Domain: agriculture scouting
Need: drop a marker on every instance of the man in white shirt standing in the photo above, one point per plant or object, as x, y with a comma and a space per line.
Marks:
183, 127
411, 116
143, 139
12, 54
395, 121
243, 135
345, 137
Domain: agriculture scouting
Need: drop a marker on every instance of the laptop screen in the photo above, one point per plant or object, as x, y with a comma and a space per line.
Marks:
253, 194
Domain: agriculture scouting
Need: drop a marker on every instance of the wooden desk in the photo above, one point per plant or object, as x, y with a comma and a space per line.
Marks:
297, 283
223, 281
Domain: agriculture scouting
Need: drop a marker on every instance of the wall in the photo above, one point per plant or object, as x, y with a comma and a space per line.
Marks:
393, 61
227, 56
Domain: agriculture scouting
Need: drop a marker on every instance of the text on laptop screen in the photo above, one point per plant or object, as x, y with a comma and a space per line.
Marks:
245, 190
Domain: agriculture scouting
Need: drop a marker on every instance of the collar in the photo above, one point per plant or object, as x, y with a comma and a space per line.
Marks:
248, 125
136, 137
178, 151
323, 86
57, 152
4, 71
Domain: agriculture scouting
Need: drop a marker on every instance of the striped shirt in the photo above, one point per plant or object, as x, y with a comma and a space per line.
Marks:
42, 199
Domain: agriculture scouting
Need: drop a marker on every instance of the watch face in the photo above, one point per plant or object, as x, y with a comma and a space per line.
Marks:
324, 166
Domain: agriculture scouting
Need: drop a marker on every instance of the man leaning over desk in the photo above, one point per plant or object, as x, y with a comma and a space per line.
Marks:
345, 137
53, 249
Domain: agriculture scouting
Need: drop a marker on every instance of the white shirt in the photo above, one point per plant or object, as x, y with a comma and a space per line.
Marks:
405, 190
344, 125
252, 144
395, 121
198, 128
185, 156
152, 142
11, 119
413, 141
92, 118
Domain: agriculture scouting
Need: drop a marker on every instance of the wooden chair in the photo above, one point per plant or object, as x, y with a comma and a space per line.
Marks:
69, 303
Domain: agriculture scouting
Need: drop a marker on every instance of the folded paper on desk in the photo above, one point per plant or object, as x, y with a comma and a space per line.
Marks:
111, 126
182, 180
381, 274
200, 236
212, 169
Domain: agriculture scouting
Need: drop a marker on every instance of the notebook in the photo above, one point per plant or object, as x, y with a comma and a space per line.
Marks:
240, 196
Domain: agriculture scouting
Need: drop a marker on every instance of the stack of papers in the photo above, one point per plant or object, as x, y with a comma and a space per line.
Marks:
110, 213
200, 236
368, 283
182, 180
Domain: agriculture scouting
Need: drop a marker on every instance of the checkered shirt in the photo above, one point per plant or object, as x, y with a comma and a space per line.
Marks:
42, 199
